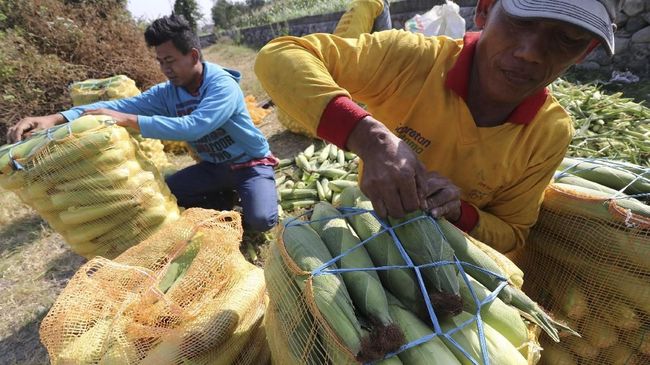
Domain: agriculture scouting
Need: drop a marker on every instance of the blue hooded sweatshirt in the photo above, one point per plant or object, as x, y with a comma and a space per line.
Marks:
216, 122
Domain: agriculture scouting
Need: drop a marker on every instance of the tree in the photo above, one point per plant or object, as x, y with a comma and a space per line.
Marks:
224, 13
190, 10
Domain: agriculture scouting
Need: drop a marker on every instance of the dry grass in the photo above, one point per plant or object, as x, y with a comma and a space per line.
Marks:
35, 263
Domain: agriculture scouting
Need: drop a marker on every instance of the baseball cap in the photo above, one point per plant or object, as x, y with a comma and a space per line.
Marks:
596, 16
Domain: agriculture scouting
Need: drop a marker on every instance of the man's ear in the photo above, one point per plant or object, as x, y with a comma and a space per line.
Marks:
196, 55
482, 9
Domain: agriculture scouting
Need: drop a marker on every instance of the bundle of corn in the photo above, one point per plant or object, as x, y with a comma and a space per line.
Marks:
291, 124
93, 90
315, 175
186, 295
257, 113
346, 287
91, 183
588, 260
607, 126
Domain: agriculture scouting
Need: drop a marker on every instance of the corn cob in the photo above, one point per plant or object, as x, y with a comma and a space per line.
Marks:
309, 252
622, 355
555, 355
599, 334
425, 244
638, 340
179, 265
414, 329
617, 179
596, 206
467, 252
619, 314
85, 214
513, 273
365, 289
499, 349
581, 347
498, 315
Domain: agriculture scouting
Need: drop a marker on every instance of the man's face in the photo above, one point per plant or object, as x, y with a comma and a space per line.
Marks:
517, 57
177, 67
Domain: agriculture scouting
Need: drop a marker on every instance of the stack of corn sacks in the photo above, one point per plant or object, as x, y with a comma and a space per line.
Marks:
90, 182
291, 124
321, 318
184, 296
588, 257
119, 87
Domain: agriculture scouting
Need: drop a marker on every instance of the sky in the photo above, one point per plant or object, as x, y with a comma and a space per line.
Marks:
152, 9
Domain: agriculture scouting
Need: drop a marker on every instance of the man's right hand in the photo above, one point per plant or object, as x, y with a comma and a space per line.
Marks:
394, 179
26, 126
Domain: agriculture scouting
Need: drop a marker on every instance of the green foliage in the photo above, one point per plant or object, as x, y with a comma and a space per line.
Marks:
190, 10
48, 44
227, 15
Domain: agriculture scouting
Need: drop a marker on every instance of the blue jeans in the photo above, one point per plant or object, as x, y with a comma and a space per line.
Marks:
212, 186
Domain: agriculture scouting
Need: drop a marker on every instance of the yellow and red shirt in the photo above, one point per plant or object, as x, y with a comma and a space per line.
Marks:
417, 87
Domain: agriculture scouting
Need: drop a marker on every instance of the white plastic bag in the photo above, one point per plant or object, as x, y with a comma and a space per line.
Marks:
440, 20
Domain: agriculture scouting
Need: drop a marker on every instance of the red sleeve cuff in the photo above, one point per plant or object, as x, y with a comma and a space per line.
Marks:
339, 118
468, 217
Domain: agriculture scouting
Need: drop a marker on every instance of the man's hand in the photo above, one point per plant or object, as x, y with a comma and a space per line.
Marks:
26, 126
443, 197
121, 119
393, 178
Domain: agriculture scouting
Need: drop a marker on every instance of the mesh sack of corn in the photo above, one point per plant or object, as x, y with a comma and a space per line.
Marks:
345, 288
89, 180
588, 260
185, 295
93, 90
118, 87
291, 124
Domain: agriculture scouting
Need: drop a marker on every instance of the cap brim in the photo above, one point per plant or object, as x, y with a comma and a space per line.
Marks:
588, 14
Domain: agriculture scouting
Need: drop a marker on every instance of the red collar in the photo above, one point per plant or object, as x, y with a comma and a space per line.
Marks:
458, 81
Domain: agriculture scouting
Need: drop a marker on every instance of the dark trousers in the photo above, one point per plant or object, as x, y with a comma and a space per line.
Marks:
211, 186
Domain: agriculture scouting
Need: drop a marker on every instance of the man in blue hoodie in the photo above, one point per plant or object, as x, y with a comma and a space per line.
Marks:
202, 104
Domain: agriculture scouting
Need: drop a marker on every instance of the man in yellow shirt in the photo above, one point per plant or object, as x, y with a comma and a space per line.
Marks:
465, 129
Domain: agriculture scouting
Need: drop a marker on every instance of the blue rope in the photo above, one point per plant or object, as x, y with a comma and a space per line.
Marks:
329, 268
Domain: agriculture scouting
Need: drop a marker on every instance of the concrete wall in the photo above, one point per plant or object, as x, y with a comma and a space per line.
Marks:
632, 37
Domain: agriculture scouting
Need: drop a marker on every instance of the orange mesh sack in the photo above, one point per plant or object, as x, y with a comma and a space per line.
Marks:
89, 180
185, 295
588, 260
399, 305
93, 90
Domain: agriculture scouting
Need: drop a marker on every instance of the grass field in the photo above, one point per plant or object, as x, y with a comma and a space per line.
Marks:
35, 263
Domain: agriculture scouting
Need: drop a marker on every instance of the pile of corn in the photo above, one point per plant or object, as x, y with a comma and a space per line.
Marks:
607, 126
291, 124
186, 295
89, 180
257, 114
94, 90
315, 175
374, 305
588, 260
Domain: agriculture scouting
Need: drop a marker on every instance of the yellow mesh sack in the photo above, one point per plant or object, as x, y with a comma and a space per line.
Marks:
89, 180
299, 332
93, 90
185, 295
588, 260
291, 124
154, 150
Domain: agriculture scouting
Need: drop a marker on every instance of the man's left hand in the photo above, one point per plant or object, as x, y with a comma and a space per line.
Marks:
121, 119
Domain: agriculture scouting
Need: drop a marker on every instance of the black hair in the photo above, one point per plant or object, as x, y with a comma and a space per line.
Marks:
173, 28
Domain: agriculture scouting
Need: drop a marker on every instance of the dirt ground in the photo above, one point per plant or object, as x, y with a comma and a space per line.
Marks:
35, 262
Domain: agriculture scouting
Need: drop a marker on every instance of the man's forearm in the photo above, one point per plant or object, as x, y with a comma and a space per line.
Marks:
368, 136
